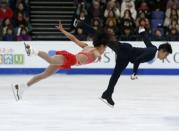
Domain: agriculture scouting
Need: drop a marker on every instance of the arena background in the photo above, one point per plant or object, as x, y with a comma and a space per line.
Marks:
69, 100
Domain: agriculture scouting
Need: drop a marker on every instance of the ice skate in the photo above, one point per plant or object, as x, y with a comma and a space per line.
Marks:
18, 90
29, 50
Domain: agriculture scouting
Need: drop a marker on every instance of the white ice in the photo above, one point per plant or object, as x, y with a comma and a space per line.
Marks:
71, 103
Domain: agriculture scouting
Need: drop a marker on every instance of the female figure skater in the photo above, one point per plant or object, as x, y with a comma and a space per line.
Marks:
64, 59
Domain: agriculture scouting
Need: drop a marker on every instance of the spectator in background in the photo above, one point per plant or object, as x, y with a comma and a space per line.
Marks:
127, 21
111, 6
157, 35
95, 10
24, 36
14, 4
82, 17
80, 34
127, 35
20, 20
81, 8
147, 26
9, 36
128, 4
5, 25
172, 12
111, 24
172, 3
96, 23
171, 19
174, 24
81, 13
144, 8
19, 29
143, 21
112, 34
21, 7
5, 11
21, 15
173, 35
111, 21
19, 23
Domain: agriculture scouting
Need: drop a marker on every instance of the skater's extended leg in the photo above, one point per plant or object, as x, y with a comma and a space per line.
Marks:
120, 66
48, 72
18, 89
56, 59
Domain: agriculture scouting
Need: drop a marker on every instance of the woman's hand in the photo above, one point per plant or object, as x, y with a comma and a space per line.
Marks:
60, 27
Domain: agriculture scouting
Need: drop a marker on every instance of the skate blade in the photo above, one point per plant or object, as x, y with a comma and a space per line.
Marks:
27, 52
103, 100
14, 92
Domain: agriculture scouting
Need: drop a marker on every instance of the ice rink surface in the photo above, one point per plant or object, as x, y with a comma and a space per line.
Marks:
71, 103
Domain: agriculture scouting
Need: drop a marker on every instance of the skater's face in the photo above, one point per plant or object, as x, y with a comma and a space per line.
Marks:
162, 54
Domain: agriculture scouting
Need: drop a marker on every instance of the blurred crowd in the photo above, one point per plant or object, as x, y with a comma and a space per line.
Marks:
14, 20
124, 17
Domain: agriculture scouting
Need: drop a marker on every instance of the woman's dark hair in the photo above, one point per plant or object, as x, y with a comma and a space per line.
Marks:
130, 14
166, 47
102, 37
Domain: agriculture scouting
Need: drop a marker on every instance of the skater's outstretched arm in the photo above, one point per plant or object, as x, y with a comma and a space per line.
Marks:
145, 37
70, 36
148, 54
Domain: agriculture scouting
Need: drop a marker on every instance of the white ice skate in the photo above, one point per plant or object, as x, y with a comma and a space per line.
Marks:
18, 90
29, 50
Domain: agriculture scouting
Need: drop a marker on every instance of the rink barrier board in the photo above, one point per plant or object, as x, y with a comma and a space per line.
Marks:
13, 60
15, 71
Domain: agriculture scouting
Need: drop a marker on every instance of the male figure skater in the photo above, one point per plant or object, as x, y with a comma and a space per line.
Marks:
126, 53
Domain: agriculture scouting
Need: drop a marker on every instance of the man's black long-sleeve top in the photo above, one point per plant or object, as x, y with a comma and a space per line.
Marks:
135, 55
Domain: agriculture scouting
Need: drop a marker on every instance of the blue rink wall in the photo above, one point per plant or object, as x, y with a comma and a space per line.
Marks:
13, 60
22, 71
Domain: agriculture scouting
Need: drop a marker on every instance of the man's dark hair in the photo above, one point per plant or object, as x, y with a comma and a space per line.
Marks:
102, 37
166, 47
